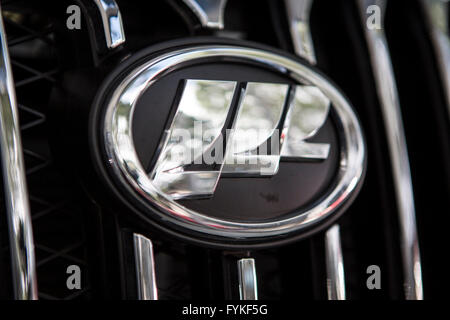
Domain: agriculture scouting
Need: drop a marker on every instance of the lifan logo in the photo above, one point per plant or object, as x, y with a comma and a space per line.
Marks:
234, 128
273, 109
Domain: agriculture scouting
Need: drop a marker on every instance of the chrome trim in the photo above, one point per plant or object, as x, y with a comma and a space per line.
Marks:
298, 12
112, 22
436, 12
266, 116
335, 264
390, 107
125, 162
16, 196
209, 12
145, 268
242, 157
248, 287
255, 119
300, 125
169, 173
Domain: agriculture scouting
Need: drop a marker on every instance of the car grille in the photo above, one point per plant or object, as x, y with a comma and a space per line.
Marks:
70, 227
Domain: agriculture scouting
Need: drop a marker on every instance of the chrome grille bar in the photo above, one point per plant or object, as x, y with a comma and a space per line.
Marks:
145, 268
209, 12
390, 107
112, 22
437, 15
248, 289
298, 12
334, 264
16, 196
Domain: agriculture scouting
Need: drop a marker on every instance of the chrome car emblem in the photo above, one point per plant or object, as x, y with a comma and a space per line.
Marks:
226, 131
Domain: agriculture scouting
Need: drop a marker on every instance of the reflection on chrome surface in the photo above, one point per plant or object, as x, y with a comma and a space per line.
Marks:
248, 288
16, 197
390, 107
112, 22
438, 22
307, 114
145, 268
298, 13
209, 12
262, 107
252, 143
335, 264
127, 167
256, 122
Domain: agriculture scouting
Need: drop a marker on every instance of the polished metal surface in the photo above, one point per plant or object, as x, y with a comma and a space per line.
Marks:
298, 12
145, 268
197, 127
112, 22
437, 13
16, 196
334, 264
261, 118
124, 160
248, 287
209, 12
390, 107
259, 115
201, 115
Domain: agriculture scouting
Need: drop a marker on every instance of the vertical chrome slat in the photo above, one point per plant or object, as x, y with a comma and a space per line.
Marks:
436, 12
209, 12
16, 196
298, 12
248, 289
334, 264
145, 268
112, 22
334, 260
390, 107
